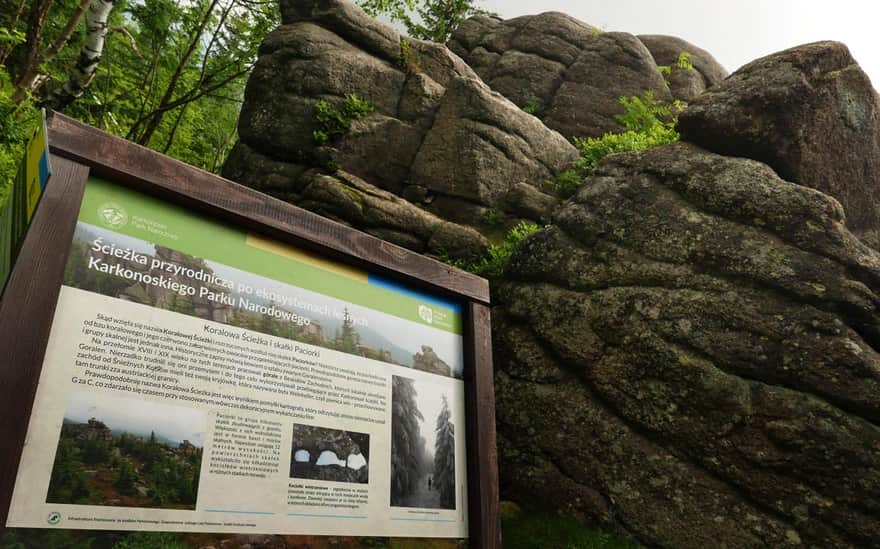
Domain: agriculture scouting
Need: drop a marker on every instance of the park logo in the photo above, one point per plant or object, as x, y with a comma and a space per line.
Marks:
112, 215
54, 518
426, 314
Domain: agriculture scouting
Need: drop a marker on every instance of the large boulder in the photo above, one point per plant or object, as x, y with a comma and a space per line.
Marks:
690, 357
435, 134
690, 74
811, 114
572, 74
352, 201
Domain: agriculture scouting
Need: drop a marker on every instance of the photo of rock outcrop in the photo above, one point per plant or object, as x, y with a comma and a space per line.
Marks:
422, 446
127, 453
319, 453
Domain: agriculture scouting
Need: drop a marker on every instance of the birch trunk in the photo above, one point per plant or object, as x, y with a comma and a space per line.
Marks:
87, 64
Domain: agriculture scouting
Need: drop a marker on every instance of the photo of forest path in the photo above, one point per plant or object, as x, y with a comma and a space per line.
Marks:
422, 446
127, 453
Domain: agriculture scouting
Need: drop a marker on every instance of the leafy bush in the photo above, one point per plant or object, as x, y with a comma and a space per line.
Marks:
534, 108
684, 61
333, 122
649, 123
17, 122
492, 265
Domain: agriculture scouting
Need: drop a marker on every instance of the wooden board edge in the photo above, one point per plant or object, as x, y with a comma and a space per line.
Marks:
125, 162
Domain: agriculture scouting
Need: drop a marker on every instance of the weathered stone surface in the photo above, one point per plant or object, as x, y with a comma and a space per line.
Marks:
574, 72
436, 133
481, 144
811, 114
685, 84
689, 356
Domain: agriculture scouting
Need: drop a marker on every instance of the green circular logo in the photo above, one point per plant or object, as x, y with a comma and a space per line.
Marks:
54, 518
112, 214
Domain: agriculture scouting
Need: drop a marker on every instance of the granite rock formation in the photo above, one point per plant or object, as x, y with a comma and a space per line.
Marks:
574, 73
811, 114
437, 136
687, 355
685, 83
690, 355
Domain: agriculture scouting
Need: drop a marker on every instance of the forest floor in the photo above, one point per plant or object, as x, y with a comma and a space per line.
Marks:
422, 497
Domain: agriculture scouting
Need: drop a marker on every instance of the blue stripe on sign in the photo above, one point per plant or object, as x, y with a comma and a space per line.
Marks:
376, 280
44, 170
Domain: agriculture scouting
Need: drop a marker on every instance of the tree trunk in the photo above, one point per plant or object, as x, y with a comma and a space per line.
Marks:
29, 69
66, 32
89, 56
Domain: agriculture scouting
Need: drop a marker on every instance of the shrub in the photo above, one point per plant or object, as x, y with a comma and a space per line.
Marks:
649, 123
492, 265
334, 122
409, 58
684, 61
534, 108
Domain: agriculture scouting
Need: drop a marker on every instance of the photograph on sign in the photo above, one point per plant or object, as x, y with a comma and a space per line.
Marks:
200, 378
319, 453
127, 453
422, 445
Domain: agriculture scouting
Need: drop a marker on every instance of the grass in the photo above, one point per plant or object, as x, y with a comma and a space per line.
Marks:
549, 531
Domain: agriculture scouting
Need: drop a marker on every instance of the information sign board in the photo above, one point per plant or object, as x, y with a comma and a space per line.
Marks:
201, 365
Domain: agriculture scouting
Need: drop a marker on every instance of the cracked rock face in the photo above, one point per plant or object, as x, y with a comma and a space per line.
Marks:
811, 114
690, 355
438, 136
573, 71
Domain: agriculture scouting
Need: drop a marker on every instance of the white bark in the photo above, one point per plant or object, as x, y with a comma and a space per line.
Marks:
89, 56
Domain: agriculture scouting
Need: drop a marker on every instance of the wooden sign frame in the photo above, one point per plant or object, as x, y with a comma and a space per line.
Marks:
29, 302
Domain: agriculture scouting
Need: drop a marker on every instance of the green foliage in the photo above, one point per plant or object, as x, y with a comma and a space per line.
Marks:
643, 113
146, 89
170, 478
433, 20
491, 265
649, 123
596, 31
548, 531
334, 122
665, 71
17, 123
493, 217
534, 108
684, 61
409, 58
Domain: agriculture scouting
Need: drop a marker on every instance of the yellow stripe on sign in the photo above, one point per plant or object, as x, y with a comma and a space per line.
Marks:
289, 252
35, 150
